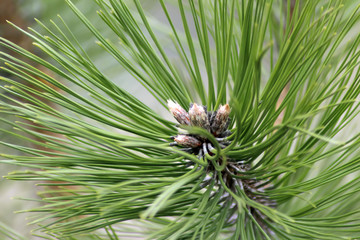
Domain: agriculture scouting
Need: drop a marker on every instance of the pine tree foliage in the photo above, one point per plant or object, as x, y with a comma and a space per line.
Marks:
109, 156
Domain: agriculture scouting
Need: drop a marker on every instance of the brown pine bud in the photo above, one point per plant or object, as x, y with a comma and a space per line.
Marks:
187, 141
179, 113
219, 122
199, 117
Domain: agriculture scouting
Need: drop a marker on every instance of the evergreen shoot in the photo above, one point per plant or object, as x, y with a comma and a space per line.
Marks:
255, 136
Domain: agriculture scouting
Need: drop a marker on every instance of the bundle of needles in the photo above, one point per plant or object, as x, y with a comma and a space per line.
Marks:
234, 173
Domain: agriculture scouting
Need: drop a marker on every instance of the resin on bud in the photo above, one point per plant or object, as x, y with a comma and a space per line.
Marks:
179, 113
199, 116
187, 141
219, 121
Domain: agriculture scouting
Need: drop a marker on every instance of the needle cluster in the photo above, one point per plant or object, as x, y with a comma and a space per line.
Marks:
217, 124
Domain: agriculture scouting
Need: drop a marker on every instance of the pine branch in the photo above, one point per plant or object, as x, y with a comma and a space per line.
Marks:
242, 164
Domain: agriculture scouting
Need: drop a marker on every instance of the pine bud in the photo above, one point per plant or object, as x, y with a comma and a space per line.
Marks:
199, 117
179, 113
187, 141
220, 121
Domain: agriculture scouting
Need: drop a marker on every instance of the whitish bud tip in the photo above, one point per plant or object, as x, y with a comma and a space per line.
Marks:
225, 109
178, 112
171, 104
187, 141
196, 109
198, 116
193, 107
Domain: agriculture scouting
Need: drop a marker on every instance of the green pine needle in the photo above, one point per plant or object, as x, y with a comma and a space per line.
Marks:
290, 74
